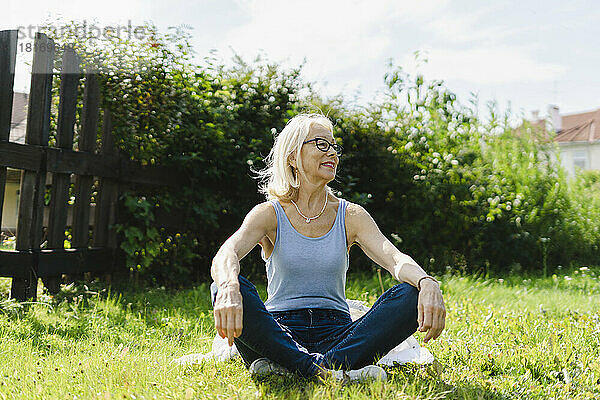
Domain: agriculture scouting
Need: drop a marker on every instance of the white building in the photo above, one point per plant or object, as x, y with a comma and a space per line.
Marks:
578, 136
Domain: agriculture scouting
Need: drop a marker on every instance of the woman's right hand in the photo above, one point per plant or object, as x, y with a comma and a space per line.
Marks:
228, 312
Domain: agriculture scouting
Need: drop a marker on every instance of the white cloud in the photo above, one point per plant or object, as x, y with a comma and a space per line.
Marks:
465, 46
334, 36
346, 43
483, 65
337, 37
450, 27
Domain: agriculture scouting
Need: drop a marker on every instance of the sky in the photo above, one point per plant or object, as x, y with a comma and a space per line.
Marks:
526, 54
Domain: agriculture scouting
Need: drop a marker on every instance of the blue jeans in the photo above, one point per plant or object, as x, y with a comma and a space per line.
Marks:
305, 339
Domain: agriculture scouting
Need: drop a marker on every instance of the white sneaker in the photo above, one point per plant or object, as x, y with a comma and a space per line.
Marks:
264, 366
368, 372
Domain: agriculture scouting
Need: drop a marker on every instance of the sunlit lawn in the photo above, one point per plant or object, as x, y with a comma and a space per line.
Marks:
517, 338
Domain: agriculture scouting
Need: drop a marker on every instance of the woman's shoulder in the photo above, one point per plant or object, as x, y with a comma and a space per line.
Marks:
353, 209
358, 220
263, 214
265, 208
350, 209
356, 215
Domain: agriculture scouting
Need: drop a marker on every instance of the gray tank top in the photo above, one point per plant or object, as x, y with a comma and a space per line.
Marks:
305, 272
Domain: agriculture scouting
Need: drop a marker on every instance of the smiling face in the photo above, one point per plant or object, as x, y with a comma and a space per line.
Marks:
318, 165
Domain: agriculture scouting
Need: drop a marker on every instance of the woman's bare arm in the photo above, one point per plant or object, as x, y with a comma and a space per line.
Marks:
379, 249
431, 309
226, 263
228, 307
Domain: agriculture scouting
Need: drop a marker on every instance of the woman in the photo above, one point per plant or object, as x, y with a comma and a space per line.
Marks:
305, 233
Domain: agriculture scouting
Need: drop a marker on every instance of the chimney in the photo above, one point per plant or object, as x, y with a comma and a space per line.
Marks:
555, 118
535, 114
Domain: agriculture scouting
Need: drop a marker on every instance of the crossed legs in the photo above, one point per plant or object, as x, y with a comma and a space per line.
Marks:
262, 336
389, 322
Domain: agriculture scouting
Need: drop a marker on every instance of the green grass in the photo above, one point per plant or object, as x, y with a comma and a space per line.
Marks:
7, 245
516, 338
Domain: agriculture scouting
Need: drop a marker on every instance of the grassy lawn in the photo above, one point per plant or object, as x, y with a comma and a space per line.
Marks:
512, 338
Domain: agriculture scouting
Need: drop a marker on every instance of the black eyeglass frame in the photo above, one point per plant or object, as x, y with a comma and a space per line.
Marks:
336, 147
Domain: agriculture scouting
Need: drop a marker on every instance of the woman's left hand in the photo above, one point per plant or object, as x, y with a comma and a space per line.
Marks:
431, 310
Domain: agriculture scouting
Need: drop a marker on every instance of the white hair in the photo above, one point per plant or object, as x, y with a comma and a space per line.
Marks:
277, 179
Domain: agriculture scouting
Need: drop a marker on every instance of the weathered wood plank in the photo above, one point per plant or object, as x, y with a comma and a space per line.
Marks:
29, 157
38, 203
106, 187
74, 261
43, 73
2, 190
69, 81
38, 111
22, 156
66, 161
8, 56
38, 125
24, 285
55, 262
89, 115
113, 216
108, 195
8, 53
59, 194
15, 263
59, 199
87, 144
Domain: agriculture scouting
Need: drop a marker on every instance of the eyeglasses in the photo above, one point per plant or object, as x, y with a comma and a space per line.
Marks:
324, 145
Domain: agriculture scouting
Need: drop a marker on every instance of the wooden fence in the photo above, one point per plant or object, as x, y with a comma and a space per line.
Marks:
94, 248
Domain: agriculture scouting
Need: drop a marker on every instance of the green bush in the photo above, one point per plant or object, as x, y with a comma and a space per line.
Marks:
458, 192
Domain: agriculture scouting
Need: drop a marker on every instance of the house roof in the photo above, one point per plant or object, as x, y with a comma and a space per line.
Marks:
579, 127
582, 127
18, 123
